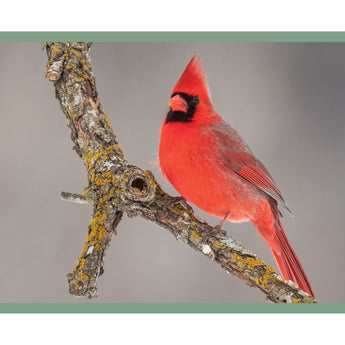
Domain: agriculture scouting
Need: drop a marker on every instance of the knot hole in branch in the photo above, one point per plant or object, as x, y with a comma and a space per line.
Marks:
139, 186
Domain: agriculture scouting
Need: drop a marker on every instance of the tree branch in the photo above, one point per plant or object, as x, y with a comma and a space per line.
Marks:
116, 187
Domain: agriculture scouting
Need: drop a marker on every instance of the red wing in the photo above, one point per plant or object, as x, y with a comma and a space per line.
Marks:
259, 177
238, 156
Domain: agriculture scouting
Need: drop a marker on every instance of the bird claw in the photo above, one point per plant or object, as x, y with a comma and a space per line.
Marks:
215, 232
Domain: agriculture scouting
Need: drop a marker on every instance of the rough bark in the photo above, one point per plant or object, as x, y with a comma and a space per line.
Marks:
116, 187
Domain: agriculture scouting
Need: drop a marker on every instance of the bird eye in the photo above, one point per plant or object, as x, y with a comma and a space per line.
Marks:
195, 100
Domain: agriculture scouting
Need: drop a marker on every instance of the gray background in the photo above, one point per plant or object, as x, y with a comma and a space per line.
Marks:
287, 101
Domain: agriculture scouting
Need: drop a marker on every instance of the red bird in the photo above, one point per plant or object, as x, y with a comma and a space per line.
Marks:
211, 166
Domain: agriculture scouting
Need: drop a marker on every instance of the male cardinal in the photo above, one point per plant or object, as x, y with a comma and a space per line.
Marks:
211, 166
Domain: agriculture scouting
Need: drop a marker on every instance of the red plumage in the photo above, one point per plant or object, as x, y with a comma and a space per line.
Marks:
211, 166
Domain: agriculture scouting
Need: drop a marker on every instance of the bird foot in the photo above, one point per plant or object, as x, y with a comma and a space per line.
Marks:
215, 232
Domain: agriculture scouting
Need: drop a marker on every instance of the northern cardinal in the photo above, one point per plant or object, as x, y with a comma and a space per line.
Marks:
211, 166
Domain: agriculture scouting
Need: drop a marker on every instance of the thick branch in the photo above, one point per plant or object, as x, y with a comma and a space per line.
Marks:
94, 141
116, 187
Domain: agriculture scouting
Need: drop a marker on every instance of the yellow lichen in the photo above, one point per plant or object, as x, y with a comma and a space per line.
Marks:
97, 180
152, 182
248, 262
195, 236
96, 239
97, 232
268, 277
103, 178
218, 245
70, 66
107, 176
106, 120
83, 276
297, 300
88, 159
103, 152
86, 192
251, 263
100, 178
56, 49
105, 198
81, 264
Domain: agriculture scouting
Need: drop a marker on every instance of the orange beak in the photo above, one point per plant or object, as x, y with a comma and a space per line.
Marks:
177, 103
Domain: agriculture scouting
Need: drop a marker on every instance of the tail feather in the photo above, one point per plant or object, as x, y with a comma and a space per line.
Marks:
271, 229
288, 262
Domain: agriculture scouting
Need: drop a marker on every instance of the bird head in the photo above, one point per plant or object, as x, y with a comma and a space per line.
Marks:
190, 98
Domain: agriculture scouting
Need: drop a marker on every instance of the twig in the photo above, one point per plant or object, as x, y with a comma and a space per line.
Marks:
116, 187
73, 197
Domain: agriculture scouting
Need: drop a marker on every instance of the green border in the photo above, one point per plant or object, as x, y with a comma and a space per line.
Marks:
173, 36
249, 36
219, 308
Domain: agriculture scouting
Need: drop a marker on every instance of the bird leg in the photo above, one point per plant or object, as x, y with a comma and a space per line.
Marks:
217, 230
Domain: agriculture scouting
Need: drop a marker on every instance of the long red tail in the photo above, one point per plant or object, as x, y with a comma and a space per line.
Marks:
286, 258
288, 263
